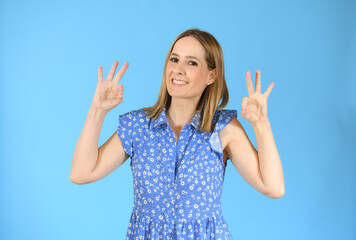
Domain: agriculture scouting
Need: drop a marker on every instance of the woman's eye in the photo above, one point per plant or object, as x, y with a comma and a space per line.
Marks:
174, 59
192, 63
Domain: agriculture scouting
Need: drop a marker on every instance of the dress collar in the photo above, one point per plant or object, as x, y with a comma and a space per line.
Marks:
162, 119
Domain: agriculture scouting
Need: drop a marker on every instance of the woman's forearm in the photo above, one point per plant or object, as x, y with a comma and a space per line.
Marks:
86, 151
270, 163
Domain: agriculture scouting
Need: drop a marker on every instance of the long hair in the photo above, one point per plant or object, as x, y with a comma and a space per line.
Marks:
212, 94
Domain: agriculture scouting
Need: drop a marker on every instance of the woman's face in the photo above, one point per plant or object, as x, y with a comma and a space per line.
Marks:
187, 65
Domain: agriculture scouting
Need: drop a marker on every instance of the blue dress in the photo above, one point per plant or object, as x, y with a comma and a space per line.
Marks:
177, 184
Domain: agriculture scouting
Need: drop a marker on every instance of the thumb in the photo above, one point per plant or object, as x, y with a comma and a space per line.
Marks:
119, 93
244, 106
120, 88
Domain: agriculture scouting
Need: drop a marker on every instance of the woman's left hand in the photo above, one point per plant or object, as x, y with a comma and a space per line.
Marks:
254, 107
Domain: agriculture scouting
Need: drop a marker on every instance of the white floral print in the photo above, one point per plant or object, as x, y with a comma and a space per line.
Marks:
177, 184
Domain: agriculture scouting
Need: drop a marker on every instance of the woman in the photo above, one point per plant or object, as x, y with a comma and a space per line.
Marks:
180, 146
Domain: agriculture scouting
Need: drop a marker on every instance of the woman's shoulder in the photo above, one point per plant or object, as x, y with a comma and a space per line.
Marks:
222, 117
135, 118
135, 113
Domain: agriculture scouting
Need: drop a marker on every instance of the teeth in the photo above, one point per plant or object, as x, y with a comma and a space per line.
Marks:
179, 82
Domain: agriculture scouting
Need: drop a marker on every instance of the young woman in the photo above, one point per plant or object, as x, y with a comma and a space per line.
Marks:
180, 146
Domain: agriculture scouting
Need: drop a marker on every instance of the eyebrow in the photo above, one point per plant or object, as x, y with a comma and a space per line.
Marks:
175, 54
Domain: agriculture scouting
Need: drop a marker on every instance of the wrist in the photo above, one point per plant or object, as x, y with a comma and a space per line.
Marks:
261, 125
97, 112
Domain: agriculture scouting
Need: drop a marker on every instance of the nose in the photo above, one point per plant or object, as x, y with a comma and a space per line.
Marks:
180, 68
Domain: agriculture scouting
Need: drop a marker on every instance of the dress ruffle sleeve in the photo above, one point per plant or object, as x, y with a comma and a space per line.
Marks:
221, 119
126, 130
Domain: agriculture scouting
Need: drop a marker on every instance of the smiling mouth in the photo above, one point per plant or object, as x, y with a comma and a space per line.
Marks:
178, 82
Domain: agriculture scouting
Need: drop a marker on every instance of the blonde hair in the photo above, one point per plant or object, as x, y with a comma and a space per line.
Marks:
212, 94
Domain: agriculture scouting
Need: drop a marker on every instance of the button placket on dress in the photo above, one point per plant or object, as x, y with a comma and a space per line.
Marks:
171, 171
180, 148
178, 155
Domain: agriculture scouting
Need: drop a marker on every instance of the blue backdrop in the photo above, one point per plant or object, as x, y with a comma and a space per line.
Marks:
50, 53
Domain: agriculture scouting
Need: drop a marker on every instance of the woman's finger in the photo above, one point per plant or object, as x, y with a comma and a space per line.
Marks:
244, 106
121, 73
249, 83
258, 81
112, 71
100, 74
269, 89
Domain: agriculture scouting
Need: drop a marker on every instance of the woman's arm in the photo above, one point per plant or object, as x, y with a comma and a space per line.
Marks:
269, 161
87, 158
262, 169
86, 151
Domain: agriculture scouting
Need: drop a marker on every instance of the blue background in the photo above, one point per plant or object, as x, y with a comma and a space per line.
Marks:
50, 53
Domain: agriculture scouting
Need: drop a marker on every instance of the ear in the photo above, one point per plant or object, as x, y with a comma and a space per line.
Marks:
212, 76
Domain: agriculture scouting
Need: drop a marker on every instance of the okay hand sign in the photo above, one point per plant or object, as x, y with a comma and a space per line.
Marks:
108, 94
254, 107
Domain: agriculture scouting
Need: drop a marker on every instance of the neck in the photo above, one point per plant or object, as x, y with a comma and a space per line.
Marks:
181, 111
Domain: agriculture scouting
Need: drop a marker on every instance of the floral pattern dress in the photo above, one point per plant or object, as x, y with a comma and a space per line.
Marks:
177, 184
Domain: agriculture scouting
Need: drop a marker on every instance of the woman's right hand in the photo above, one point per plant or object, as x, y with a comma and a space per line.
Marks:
108, 94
